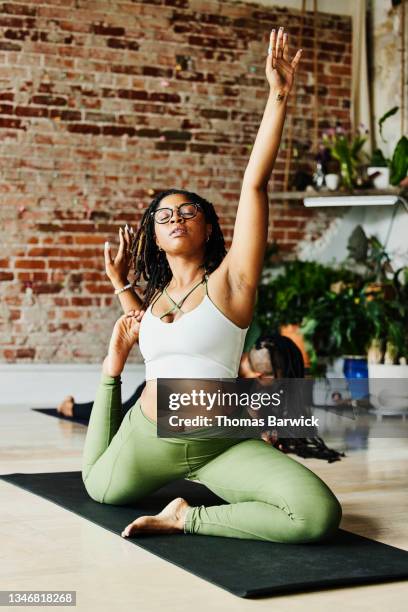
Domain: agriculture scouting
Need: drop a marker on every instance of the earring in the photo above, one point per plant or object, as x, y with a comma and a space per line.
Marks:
208, 237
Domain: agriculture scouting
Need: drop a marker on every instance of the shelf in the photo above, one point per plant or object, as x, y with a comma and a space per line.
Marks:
352, 200
323, 193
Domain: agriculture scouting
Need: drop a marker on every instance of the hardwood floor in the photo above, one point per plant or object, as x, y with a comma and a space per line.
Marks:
45, 547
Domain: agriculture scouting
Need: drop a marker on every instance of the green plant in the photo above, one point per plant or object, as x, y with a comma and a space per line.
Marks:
348, 152
389, 113
341, 309
372, 310
338, 324
398, 163
286, 296
389, 317
371, 254
378, 160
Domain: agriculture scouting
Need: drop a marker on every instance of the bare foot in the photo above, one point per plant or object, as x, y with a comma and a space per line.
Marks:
125, 334
66, 407
169, 520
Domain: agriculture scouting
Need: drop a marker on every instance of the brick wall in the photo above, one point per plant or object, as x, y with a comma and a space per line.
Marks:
103, 104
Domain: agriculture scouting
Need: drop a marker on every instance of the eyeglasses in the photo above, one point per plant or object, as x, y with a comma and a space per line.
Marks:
187, 210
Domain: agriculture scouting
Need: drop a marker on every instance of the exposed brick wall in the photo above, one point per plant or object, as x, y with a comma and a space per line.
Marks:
103, 102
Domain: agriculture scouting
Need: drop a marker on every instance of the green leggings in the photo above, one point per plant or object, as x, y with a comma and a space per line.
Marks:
269, 495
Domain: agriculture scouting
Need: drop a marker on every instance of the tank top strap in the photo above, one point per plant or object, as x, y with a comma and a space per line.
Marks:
178, 305
155, 300
175, 304
206, 283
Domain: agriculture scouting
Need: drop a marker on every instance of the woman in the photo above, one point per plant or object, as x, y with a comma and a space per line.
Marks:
179, 250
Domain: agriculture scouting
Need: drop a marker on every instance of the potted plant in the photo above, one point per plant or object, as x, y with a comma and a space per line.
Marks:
327, 166
385, 171
347, 151
338, 326
286, 294
388, 351
368, 256
367, 315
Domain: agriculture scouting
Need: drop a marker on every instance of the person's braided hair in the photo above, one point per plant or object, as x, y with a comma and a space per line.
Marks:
284, 355
151, 265
287, 362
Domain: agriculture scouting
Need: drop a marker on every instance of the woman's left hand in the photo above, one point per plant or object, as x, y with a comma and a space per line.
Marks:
280, 71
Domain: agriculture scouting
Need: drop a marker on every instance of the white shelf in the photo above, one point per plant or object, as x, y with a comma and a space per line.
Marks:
352, 200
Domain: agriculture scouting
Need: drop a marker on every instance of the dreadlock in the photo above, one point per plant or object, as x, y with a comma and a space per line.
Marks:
151, 264
287, 362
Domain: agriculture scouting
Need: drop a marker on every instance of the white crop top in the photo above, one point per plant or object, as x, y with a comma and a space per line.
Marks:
201, 343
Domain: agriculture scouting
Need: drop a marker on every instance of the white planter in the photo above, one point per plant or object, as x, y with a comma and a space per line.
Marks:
388, 385
332, 181
382, 181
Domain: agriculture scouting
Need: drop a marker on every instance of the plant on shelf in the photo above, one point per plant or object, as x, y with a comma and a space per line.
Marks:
398, 162
347, 151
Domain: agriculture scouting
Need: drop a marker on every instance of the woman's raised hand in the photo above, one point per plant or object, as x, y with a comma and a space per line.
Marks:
117, 269
280, 70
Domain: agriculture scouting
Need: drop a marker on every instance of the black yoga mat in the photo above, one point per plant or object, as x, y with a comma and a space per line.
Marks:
247, 568
54, 412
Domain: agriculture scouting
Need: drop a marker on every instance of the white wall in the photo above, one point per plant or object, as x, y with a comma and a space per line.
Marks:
46, 385
376, 220
385, 24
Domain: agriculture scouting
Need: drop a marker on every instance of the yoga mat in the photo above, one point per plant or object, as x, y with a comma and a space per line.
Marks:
247, 568
54, 412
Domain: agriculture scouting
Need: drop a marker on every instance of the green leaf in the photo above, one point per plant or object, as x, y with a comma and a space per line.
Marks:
399, 162
378, 159
357, 145
389, 113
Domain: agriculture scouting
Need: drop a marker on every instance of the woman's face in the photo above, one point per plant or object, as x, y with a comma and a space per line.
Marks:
191, 234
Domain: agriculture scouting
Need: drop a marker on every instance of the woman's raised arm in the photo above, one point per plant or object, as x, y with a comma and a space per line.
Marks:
244, 260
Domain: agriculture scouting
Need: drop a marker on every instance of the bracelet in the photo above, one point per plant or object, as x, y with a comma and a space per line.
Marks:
117, 291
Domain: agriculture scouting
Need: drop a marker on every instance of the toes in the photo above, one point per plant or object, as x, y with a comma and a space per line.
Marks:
127, 531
